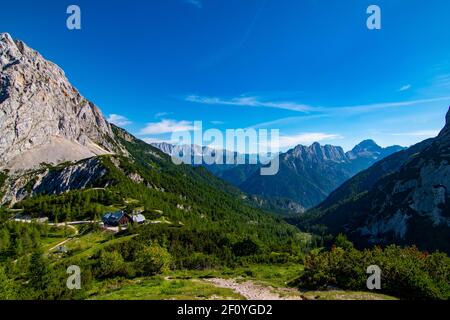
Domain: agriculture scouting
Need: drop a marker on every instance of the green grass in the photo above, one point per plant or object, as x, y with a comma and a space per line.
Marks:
273, 275
188, 285
87, 245
158, 288
55, 236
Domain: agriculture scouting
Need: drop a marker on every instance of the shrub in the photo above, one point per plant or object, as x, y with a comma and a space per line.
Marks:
199, 261
245, 248
406, 272
110, 264
152, 260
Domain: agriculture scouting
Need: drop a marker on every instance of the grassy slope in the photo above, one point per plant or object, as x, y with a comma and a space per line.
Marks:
190, 284
158, 288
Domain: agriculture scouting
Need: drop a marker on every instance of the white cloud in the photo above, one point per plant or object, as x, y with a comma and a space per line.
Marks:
118, 120
162, 114
442, 81
250, 102
287, 121
405, 88
196, 3
419, 133
378, 106
166, 126
289, 141
294, 106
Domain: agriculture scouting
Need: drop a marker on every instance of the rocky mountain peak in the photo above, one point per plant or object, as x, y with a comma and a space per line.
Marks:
43, 118
12, 51
9, 52
367, 145
365, 149
446, 130
317, 152
447, 117
6, 40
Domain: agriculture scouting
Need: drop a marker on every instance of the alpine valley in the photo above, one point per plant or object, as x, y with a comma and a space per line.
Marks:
78, 190
307, 175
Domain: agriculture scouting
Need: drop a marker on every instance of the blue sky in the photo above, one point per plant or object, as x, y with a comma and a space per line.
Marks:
310, 68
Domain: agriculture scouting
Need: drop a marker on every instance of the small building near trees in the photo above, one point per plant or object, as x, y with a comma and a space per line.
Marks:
121, 218
115, 219
138, 218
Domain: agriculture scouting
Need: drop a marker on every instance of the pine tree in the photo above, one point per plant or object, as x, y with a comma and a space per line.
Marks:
38, 274
5, 240
7, 287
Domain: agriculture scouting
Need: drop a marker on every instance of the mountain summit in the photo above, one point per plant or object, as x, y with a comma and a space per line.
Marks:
366, 146
43, 118
446, 130
366, 153
308, 174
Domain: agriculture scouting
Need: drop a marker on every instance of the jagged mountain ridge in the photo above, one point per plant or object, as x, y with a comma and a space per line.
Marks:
43, 118
307, 175
404, 199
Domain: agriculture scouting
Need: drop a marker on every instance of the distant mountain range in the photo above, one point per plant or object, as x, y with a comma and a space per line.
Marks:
307, 175
403, 199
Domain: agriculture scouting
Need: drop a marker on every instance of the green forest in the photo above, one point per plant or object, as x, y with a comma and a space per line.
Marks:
196, 223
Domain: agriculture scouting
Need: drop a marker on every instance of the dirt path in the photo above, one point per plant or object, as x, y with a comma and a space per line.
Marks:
63, 242
59, 244
253, 291
67, 240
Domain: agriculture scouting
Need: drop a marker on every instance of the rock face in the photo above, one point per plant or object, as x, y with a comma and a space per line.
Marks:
196, 152
308, 175
403, 199
43, 118
316, 153
165, 147
84, 174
